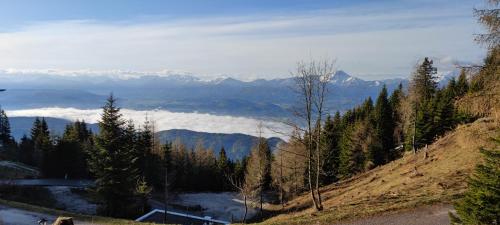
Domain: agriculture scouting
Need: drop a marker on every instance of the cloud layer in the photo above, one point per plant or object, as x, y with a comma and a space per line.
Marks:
380, 40
165, 120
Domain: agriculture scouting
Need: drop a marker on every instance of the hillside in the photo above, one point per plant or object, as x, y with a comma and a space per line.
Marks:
22, 125
236, 145
405, 183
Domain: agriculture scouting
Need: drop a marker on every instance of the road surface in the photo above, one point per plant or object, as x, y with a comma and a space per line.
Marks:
48, 182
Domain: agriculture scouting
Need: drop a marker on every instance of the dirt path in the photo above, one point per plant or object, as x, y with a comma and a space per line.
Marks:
425, 215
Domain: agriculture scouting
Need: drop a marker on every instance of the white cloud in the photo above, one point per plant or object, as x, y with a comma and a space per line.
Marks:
165, 120
365, 41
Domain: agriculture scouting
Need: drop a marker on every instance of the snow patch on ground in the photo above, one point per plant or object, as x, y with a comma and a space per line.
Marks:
72, 202
223, 206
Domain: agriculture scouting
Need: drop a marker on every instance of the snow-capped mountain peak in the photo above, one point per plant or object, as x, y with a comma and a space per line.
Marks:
343, 78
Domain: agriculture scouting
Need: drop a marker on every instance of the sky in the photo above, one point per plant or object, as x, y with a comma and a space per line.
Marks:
239, 38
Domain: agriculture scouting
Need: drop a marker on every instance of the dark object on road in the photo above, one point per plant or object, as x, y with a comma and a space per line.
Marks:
64, 221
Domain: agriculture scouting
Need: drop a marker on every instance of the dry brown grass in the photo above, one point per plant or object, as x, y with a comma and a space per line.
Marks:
402, 184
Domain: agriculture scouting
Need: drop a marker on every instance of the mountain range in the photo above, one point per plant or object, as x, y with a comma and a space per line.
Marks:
179, 93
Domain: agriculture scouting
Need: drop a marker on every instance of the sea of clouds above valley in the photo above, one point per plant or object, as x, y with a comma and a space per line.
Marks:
166, 120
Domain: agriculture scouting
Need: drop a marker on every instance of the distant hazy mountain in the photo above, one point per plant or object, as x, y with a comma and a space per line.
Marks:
22, 125
182, 93
236, 145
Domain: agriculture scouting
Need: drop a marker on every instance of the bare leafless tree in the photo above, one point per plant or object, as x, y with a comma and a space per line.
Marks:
243, 189
258, 168
311, 81
289, 166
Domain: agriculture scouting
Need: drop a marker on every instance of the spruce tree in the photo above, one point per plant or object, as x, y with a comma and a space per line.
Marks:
5, 135
395, 101
71, 151
481, 202
444, 116
26, 151
423, 82
113, 163
462, 86
345, 153
148, 163
223, 169
422, 89
42, 145
7, 142
383, 129
424, 131
331, 137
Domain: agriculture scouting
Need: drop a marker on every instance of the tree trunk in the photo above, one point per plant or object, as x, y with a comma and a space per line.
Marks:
309, 174
246, 209
261, 203
415, 131
318, 168
281, 181
166, 195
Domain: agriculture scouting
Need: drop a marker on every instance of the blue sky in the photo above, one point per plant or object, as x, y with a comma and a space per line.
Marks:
243, 39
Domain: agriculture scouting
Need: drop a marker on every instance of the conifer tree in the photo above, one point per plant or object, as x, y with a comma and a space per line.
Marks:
396, 102
7, 142
365, 110
451, 88
383, 129
223, 168
444, 116
345, 153
422, 89
42, 145
113, 162
481, 202
5, 135
147, 162
462, 85
26, 151
71, 151
331, 136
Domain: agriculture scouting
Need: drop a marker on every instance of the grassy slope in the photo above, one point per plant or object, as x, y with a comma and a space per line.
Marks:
404, 183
